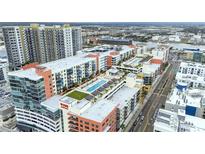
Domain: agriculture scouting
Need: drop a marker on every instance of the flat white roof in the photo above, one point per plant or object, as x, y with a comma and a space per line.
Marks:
194, 124
167, 121
55, 66
113, 70
105, 50
177, 98
81, 104
99, 111
66, 63
150, 68
52, 103
134, 61
29, 73
123, 95
68, 100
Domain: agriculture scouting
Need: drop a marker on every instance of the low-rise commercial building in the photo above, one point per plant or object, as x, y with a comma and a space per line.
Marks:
114, 41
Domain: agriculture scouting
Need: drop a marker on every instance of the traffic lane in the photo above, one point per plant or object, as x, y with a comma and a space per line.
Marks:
159, 103
149, 127
141, 125
150, 102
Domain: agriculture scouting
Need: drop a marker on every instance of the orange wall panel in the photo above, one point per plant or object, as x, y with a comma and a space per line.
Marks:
47, 75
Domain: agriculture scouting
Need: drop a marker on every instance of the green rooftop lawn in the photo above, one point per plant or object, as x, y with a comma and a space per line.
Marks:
77, 95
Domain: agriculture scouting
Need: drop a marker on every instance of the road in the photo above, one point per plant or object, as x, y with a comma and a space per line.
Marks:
144, 123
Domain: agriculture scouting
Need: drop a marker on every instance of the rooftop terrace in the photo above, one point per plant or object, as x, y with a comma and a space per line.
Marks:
78, 95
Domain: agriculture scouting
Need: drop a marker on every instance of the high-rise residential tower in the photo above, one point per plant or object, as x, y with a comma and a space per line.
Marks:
14, 47
77, 39
34, 43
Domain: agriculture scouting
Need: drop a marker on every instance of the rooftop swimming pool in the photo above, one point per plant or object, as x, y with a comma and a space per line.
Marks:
96, 85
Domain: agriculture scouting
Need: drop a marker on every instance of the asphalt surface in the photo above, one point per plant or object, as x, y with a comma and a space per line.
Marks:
144, 122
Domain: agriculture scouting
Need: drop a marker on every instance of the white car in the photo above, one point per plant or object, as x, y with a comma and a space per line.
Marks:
142, 118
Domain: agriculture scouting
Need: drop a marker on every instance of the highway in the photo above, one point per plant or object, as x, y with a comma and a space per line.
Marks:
144, 122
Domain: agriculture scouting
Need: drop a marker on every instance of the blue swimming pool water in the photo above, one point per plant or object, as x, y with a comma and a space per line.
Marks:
96, 86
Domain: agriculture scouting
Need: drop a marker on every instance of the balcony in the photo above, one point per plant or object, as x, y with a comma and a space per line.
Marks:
73, 130
73, 123
73, 127
73, 118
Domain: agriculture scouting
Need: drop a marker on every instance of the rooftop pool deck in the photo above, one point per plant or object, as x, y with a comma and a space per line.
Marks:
95, 85
134, 61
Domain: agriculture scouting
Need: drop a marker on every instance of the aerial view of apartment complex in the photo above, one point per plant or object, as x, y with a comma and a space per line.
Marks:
108, 77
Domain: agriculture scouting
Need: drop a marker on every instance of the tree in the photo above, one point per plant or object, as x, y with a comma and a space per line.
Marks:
65, 88
122, 126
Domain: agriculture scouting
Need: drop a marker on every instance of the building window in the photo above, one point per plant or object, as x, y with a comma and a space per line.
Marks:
86, 127
87, 123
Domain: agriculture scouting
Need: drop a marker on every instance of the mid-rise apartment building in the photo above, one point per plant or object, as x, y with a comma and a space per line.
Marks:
184, 107
161, 52
35, 84
192, 54
191, 68
168, 121
100, 117
108, 56
101, 103
189, 100
191, 73
41, 117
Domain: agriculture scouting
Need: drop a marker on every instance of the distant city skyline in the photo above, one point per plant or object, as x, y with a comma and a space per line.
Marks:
120, 24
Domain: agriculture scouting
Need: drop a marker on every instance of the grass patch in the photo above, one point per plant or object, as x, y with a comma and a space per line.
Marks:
77, 95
